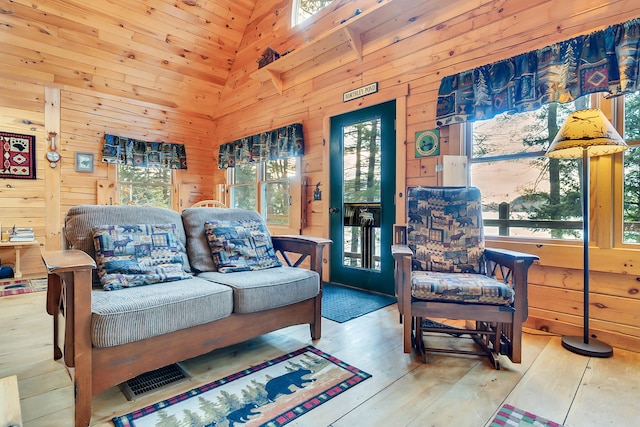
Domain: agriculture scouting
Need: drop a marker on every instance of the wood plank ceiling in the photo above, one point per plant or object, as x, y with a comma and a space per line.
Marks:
174, 53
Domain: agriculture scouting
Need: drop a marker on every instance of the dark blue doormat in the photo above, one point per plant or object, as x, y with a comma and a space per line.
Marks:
341, 303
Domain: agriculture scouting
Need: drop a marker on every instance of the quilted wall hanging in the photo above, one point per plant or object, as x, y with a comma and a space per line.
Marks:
18, 156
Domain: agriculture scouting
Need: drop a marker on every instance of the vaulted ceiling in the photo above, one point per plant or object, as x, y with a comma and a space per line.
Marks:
175, 53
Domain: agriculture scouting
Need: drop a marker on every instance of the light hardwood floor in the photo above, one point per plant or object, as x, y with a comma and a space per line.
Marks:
449, 391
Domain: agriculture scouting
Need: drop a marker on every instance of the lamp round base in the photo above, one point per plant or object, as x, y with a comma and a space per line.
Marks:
593, 348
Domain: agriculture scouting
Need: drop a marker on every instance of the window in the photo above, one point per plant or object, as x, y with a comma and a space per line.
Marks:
144, 186
303, 9
267, 185
631, 170
242, 191
275, 194
524, 193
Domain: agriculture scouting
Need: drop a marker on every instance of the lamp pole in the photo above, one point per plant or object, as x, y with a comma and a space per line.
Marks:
587, 346
586, 133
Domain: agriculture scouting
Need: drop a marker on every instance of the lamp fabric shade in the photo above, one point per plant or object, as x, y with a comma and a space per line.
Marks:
586, 130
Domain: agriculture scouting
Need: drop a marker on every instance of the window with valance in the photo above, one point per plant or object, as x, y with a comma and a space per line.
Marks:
603, 61
276, 144
133, 152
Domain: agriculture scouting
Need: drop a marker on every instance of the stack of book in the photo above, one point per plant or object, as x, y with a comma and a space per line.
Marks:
22, 234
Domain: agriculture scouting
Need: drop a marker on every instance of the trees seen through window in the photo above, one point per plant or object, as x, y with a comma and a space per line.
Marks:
144, 186
631, 188
265, 185
520, 184
303, 9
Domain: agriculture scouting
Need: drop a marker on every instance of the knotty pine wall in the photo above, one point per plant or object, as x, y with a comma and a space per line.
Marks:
408, 56
84, 118
23, 202
148, 70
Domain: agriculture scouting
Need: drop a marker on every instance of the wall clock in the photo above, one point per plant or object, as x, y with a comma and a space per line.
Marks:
52, 155
428, 143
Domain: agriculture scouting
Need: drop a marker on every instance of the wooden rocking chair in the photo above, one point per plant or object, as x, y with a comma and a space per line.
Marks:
443, 271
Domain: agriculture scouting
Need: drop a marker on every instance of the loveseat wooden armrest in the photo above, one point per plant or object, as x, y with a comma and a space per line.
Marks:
305, 246
73, 268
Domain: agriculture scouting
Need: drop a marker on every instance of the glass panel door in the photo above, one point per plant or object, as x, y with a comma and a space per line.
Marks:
362, 189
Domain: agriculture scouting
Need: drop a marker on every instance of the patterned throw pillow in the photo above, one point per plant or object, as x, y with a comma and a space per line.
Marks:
137, 254
240, 245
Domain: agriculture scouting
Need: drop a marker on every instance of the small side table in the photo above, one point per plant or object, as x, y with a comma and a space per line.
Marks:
17, 246
10, 414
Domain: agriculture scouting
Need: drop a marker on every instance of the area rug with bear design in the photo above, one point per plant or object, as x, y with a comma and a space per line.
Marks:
270, 394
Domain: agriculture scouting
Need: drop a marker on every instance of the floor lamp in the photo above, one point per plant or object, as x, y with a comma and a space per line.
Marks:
585, 134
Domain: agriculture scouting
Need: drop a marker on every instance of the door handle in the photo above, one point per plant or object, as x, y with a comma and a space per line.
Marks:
333, 210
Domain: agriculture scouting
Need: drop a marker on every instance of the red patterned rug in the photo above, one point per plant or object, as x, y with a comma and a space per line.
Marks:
21, 286
511, 416
271, 394
18, 156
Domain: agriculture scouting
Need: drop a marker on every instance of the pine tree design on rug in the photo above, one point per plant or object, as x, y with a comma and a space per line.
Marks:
271, 394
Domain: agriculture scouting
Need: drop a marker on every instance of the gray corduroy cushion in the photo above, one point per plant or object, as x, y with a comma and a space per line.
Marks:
82, 219
132, 314
197, 246
270, 288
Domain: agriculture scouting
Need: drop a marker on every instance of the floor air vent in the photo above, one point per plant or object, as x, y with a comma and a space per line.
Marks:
150, 381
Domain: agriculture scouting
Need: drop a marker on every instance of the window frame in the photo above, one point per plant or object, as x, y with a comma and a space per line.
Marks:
171, 185
295, 196
607, 192
295, 13
618, 112
468, 147
231, 184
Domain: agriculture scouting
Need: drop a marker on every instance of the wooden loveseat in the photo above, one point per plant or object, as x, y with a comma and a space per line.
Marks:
111, 336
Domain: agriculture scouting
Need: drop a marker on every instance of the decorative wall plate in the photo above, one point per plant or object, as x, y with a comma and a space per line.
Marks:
428, 143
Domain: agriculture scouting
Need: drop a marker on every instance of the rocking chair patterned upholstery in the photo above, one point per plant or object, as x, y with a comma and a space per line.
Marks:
443, 270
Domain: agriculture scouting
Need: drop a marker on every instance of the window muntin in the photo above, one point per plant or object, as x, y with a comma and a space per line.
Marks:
524, 193
304, 9
145, 186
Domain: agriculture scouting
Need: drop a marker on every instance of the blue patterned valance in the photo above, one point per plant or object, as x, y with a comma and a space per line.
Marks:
132, 152
603, 61
276, 144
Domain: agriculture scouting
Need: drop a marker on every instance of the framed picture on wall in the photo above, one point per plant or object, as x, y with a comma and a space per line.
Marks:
84, 162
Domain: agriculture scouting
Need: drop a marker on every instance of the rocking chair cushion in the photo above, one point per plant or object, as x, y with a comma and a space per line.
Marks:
460, 287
